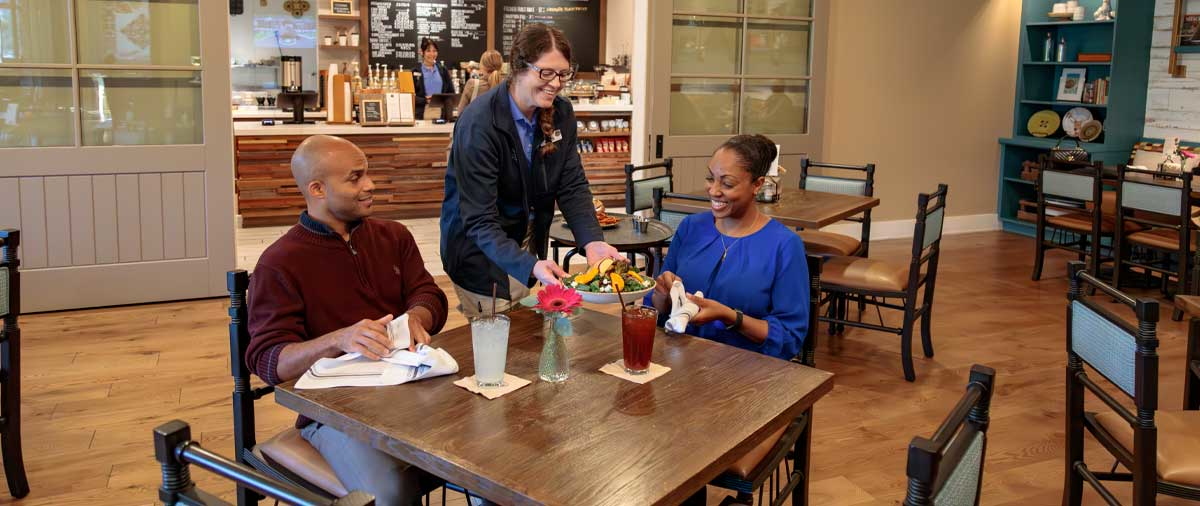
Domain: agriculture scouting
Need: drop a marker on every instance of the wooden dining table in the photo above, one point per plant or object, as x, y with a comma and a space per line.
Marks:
795, 208
593, 439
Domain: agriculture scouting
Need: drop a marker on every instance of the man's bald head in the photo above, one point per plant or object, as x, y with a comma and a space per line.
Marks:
322, 156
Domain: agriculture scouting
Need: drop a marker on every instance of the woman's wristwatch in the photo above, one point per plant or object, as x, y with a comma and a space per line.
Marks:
737, 321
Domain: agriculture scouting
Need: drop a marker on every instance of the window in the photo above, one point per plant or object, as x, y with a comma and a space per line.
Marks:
740, 66
130, 75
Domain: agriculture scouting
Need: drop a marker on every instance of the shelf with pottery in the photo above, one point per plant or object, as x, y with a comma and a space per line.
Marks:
1039, 76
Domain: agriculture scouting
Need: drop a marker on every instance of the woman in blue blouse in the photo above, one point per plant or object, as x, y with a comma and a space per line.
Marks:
431, 77
752, 269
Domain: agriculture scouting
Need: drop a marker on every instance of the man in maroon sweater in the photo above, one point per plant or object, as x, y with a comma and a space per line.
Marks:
329, 286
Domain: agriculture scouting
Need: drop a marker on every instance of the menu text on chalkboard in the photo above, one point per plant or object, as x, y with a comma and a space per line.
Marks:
578, 19
397, 27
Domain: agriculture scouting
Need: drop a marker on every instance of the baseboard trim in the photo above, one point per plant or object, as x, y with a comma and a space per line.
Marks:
903, 229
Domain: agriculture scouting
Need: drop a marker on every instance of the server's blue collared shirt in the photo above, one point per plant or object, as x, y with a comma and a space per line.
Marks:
433, 79
524, 128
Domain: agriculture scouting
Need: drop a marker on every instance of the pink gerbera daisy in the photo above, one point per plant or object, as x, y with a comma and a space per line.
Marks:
558, 299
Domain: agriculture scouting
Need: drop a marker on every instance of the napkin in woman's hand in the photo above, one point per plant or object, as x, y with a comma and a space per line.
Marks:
682, 309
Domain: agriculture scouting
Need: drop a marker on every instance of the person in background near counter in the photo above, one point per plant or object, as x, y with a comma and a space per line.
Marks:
512, 159
329, 286
430, 77
490, 64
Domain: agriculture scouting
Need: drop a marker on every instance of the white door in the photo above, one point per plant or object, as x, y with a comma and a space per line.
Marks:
724, 67
116, 150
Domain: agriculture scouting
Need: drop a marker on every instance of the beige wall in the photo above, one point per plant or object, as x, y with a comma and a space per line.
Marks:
923, 89
618, 29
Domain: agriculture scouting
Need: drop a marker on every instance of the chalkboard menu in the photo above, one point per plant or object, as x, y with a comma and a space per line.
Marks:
397, 26
579, 19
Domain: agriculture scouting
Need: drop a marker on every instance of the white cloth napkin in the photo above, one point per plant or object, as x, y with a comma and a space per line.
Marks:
402, 366
682, 309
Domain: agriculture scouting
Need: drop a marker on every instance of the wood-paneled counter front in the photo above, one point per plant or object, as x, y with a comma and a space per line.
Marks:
408, 165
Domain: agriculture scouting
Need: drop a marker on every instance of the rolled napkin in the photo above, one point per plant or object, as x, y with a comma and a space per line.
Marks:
682, 309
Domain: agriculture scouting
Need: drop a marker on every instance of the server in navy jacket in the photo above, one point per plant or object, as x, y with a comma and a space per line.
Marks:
513, 158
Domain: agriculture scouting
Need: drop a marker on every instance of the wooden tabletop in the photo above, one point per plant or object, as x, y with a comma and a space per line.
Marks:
593, 439
795, 208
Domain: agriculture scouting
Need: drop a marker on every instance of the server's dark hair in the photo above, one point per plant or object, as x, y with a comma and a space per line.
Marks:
533, 41
426, 43
756, 152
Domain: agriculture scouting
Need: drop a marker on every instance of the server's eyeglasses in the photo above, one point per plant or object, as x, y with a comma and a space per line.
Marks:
548, 74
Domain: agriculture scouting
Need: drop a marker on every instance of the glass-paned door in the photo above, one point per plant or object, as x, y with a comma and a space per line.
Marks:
116, 134
725, 67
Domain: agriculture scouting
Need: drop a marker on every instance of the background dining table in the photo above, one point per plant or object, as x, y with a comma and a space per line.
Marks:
795, 208
592, 439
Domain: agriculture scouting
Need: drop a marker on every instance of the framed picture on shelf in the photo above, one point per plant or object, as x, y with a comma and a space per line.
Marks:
1070, 84
341, 6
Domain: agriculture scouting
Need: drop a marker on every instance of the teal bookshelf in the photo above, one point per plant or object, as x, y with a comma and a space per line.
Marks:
1128, 40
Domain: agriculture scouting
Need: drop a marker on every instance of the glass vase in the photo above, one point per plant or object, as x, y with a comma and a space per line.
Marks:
554, 365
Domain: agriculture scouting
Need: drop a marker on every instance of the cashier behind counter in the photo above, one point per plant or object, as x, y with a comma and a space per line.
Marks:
430, 77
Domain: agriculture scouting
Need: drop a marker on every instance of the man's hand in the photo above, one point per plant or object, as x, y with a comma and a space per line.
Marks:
416, 332
710, 310
368, 337
548, 272
599, 250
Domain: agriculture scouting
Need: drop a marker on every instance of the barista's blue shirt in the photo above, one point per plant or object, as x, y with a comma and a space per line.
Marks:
433, 79
524, 128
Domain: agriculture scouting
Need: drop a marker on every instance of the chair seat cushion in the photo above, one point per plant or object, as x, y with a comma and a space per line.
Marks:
1161, 238
864, 274
291, 451
745, 465
1178, 442
817, 242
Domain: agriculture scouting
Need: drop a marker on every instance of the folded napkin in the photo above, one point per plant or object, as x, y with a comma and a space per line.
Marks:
402, 366
682, 309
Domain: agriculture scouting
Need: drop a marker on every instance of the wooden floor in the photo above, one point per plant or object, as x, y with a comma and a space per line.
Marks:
96, 382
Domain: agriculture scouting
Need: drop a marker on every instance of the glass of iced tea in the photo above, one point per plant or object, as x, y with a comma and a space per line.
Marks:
637, 337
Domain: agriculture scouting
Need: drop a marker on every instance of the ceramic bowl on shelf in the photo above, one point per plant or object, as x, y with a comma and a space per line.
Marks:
1073, 118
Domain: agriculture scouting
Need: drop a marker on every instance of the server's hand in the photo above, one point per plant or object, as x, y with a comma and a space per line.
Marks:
548, 272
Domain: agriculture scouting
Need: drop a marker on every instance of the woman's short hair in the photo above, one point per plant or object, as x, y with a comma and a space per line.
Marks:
756, 152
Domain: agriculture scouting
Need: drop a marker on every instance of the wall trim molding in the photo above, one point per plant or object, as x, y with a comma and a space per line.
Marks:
903, 229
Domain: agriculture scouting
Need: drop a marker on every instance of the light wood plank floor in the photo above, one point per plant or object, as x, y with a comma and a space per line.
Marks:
96, 382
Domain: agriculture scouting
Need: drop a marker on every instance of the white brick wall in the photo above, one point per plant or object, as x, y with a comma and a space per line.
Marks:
1172, 104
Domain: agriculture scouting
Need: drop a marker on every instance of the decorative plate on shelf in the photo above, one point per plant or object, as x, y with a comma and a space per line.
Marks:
1043, 123
1090, 130
1074, 118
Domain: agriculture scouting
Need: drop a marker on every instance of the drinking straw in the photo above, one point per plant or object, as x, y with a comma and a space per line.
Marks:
493, 300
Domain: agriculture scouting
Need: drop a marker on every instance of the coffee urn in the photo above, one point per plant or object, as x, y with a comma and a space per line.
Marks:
292, 77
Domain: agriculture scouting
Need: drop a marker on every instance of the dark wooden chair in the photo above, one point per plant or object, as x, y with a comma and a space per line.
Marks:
1158, 203
10, 364
1072, 206
791, 445
176, 452
1190, 304
947, 469
872, 282
829, 243
287, 456
1160, 448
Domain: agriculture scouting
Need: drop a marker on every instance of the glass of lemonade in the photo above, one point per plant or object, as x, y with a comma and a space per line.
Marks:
489, 341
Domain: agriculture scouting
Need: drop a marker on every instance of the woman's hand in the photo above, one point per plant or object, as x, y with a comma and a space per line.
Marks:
662, 284
710, 311
599, 250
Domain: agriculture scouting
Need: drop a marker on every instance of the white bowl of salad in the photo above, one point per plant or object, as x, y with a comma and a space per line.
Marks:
599, 283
